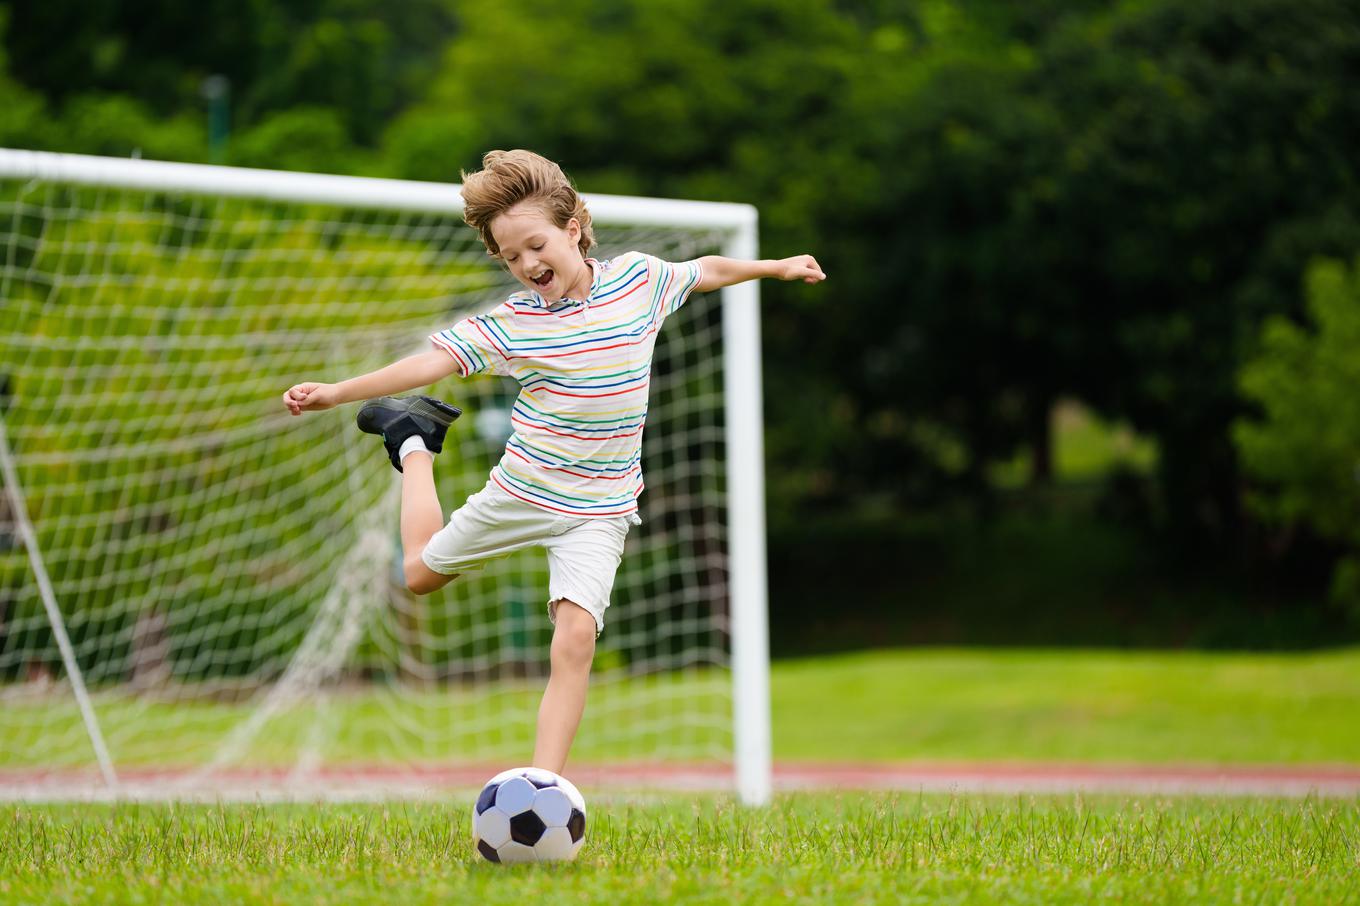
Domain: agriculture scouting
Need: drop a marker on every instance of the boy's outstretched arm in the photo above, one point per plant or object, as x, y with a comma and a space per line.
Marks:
419, 370
720, 271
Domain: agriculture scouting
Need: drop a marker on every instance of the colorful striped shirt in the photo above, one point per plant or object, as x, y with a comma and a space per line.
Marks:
584, 368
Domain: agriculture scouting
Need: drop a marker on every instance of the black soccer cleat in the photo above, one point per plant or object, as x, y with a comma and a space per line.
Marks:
399, 417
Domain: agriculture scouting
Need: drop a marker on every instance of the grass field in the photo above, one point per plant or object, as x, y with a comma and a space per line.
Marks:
1070, 706
816, 848
808, 848
939, 704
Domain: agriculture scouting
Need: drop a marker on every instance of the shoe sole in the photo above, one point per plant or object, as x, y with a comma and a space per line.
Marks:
437, 411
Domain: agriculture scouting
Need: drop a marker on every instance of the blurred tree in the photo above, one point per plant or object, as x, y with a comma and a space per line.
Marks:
955, 330
691, 98
119, 126
302, 138
650, 97
1106, 213
1304, 449
152, 50
93, 123
364, 58
21, 110
1206, 157
1015, 202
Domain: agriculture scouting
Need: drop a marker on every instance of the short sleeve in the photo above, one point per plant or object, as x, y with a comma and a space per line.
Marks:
672, 283
475, 345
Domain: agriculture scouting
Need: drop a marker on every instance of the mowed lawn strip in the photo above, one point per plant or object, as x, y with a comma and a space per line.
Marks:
1064, 705
805, 848
896, 705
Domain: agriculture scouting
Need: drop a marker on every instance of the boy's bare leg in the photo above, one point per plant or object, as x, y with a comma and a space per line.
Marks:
421, 517
564, 701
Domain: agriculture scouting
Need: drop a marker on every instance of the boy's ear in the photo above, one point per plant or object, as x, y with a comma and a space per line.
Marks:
574, 229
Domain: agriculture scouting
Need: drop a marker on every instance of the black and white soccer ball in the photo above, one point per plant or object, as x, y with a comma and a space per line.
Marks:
529, 815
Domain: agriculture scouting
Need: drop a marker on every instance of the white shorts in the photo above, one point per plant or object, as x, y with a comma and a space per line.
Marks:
583, 553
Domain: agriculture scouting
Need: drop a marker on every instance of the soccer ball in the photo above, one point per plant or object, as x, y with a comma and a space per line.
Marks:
529, 815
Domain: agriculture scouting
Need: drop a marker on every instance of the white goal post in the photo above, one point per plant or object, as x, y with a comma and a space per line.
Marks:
160, 548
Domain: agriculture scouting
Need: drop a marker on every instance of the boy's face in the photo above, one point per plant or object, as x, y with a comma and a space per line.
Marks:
540, 254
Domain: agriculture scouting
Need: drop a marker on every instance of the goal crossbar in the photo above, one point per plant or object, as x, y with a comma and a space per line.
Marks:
346, 191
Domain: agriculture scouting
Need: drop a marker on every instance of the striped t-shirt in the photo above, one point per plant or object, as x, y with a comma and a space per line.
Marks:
584, 368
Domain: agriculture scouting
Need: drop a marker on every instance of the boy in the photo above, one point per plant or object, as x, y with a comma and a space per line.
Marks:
579, 341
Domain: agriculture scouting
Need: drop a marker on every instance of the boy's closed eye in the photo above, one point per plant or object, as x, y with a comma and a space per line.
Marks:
536, 248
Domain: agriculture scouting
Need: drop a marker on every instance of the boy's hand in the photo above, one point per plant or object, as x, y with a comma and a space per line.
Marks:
800, 267
309, 397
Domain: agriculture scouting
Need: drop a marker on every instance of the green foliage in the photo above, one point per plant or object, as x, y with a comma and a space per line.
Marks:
433, 144
1305, 447
1016, 203
1094, 200
301, 138
364, 59
93, 123
1204, 163
1073, 568
658, 97
121, 126
20, 114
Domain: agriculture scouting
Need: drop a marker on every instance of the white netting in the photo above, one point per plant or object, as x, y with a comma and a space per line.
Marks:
229, 575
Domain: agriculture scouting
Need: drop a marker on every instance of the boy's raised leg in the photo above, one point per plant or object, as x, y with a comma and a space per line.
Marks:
415, 426
564, 701
421, 517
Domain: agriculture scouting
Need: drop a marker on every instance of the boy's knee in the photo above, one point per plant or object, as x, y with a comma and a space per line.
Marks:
420, 579
573, 643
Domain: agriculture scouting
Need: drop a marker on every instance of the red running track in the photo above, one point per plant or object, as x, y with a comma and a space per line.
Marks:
431, 780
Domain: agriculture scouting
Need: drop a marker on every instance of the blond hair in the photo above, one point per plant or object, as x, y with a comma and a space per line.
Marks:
509, 177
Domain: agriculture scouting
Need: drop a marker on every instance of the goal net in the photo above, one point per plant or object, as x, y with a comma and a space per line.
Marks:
199, 593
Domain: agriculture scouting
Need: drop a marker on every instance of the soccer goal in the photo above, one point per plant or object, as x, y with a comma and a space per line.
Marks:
202, 595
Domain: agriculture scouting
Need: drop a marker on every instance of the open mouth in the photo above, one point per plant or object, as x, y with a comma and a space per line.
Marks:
543, 279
